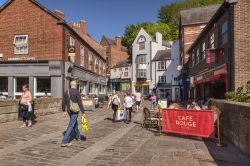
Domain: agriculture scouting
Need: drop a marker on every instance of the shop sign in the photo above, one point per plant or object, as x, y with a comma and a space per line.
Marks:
71, 51
126, 86
188, 122
212, 56
21, 59
141, 84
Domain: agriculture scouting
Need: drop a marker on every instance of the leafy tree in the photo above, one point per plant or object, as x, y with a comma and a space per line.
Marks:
170, 13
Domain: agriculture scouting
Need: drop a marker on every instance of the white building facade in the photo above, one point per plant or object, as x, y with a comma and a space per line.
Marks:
120, 77
144, 49
166, 74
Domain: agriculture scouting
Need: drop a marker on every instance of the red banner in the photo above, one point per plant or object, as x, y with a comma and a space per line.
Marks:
188, 122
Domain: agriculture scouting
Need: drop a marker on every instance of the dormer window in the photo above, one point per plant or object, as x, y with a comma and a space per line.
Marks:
141, 42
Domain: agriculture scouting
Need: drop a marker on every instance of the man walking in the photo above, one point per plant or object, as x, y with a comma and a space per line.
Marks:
71, 97
128, 103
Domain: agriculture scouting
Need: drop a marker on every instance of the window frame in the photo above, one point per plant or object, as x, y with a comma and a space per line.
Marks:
142, 59
211, 41
223, 35
72, 41
90, 60
162, 79
142, 73
24, 44
82, 52
203, 53
197, 57
162, 65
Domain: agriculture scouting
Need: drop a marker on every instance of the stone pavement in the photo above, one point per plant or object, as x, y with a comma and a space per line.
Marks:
107, 144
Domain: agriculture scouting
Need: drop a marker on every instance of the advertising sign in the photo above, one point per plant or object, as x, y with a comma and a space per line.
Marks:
188, 122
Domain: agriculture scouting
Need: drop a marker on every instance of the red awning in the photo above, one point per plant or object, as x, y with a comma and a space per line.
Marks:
213, 78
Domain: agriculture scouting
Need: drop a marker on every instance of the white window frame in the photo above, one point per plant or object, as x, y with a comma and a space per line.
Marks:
39, 94
162, 65
162, 79
96, 65
141, 73
72, 41
211, 41
100, 67
90, 60
82, 55
197, 57
23, 44
203, 50
142, 45
193, 59
141, 59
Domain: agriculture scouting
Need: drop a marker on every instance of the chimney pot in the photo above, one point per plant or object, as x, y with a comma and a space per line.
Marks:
118, 42
83, 26
59, 14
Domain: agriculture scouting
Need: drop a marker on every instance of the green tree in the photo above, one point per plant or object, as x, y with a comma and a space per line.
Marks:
170, 13
132, 30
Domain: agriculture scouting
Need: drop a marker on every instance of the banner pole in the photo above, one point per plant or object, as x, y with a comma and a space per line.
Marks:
218, 129
159, 116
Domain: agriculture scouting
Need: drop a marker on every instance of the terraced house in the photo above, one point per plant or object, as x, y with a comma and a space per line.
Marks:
38, 47
220, 56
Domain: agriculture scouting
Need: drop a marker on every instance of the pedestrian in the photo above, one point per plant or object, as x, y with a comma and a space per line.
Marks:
2, 96
128, 103
115, 103
25, 103
73, 103
153, 101
109, 100
138, 99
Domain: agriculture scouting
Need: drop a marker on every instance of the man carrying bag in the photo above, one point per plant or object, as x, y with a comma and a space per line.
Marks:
72, 101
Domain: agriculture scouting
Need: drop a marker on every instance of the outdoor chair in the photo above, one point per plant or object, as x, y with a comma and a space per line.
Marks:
149, 121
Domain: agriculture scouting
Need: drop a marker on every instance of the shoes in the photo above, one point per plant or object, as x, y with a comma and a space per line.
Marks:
65, 145
29, 125
23, 126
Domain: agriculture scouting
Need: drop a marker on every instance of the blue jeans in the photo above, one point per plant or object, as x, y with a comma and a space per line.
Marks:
72, 128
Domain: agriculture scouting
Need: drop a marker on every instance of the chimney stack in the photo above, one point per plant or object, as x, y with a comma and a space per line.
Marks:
118, 42
158, 37
59, 14
83, 26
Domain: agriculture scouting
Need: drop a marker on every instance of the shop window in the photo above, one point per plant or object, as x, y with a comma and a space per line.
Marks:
18, 84
162, 65
4, 85
42, 85
164, 93
21, 44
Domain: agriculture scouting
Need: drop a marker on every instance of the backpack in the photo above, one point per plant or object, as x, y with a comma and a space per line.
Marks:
74, 107
115, 101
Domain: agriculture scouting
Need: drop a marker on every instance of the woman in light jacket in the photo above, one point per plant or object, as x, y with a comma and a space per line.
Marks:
24, 106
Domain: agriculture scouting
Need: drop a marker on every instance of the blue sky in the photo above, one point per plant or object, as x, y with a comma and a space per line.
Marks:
106, 17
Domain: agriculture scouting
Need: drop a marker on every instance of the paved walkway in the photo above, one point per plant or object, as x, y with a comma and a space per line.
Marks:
107, 144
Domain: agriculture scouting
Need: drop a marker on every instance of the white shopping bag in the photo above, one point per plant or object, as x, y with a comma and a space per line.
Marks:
120, 115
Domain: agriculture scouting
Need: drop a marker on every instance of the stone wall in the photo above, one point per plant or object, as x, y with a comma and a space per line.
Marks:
9, 108
235, 123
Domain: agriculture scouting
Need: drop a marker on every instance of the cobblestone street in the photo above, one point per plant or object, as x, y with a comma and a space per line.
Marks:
107, 144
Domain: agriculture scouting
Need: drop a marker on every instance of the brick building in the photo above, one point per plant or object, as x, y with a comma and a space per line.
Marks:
219, 57
34, 50
192, 22
115, 52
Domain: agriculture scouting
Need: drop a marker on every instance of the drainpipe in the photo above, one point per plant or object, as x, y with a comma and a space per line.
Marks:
230, 49
63, 61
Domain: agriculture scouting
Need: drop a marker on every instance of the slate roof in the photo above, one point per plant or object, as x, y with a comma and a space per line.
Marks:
162, 55
122, 64
164, 43
112, 42
198, 15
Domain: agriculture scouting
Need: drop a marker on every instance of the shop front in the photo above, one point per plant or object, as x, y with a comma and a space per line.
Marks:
142, 87
212, 84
